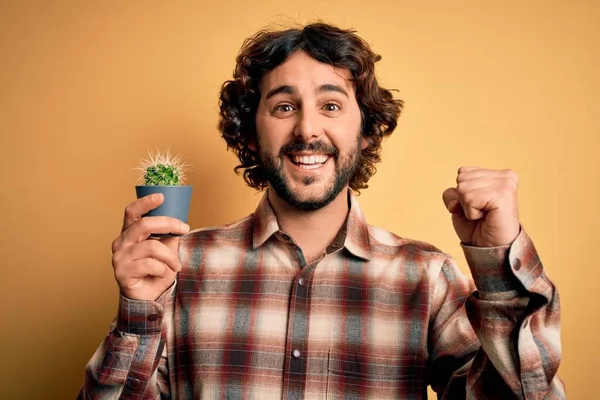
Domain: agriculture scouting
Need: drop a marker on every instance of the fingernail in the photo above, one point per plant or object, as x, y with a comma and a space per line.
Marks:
157, 196
452, 204
185, 227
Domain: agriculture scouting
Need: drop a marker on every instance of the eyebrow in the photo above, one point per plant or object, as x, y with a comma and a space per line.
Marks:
287, 89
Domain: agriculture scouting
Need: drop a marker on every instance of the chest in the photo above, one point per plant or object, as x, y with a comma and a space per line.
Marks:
337, 328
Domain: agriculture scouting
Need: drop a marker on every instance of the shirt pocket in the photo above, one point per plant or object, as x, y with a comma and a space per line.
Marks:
368, 376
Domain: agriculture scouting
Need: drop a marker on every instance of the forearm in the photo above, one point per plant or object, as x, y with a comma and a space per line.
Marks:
515, 314
125, 364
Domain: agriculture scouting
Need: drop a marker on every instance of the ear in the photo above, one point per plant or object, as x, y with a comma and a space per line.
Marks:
364, 144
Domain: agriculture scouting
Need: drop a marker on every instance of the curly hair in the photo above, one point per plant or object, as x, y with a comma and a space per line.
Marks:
265, 51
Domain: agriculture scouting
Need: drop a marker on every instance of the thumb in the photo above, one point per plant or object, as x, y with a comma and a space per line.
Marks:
452, 201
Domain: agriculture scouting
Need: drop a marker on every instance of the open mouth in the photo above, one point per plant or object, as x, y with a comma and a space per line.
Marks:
308, 162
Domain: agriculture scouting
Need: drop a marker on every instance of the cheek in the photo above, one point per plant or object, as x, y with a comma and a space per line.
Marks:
273, 133
269, 142
345, 137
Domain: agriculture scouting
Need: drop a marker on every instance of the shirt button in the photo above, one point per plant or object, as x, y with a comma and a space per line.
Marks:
301, 281
517, 264
152, 317
136, 383
296, 353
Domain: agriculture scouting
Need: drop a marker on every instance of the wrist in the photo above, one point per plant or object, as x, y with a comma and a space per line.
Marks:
142, 317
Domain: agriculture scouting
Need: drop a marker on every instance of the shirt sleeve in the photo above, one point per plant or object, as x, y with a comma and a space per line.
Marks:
496, 336
130, 363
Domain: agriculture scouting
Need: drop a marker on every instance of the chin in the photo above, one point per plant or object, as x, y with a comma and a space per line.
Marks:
310, 198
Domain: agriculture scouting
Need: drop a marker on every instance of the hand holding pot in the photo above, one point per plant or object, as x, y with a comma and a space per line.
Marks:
144, 268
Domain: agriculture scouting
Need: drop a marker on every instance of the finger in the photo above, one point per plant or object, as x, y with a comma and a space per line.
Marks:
481, 182
145, 227
172, 243
135, 210
498, 188
470, 204
467, 169
451, 199
141, 269
153, 249
472, 213
487, 173
473, 174
478, 201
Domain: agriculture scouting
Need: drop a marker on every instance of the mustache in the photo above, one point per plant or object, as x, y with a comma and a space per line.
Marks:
316, 146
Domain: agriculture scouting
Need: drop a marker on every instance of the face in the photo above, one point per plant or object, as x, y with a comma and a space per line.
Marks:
308, 129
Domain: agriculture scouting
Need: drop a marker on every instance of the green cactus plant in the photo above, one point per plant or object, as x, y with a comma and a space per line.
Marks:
162, 169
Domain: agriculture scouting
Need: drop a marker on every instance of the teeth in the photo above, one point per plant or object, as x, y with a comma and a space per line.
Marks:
310, 160
309, 166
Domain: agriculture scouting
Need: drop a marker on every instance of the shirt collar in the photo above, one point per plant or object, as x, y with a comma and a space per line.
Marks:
265, 222
355, 230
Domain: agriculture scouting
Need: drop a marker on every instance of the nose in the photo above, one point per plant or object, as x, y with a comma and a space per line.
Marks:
308, 126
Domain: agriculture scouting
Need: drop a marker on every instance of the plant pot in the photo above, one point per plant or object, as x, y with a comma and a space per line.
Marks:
176, 202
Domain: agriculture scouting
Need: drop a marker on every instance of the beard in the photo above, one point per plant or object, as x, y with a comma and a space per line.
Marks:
344, 169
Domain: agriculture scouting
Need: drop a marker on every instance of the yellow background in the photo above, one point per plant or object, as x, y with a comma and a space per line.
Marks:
87, 87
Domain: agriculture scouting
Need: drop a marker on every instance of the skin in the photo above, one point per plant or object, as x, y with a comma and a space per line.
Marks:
144, 268
306, 112
484, 206
311, 107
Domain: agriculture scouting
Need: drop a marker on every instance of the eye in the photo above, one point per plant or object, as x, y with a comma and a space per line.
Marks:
284, 108
331, 107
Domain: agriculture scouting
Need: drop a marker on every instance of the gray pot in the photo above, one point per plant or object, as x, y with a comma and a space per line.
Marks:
176, 204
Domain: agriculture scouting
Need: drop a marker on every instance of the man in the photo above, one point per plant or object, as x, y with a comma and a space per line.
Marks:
303, 299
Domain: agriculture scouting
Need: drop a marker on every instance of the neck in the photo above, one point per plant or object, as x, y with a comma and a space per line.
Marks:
312, 230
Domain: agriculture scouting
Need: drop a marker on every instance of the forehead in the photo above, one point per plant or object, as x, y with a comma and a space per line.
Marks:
302, 71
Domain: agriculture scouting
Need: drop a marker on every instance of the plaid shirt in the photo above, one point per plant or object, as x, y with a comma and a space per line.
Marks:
378, 316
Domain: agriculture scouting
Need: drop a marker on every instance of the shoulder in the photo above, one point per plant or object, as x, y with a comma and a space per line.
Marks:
384, 241
237, 231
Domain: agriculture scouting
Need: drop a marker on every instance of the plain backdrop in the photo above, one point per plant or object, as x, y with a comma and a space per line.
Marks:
86, 88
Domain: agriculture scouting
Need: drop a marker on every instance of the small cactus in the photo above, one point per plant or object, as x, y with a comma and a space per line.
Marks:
162, 169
